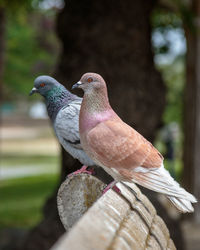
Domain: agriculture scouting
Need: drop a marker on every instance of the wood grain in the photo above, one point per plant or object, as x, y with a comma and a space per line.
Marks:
115, 221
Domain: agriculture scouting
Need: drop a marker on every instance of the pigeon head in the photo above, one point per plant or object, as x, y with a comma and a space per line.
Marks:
90, 81
55, 94
44, 84
95, 93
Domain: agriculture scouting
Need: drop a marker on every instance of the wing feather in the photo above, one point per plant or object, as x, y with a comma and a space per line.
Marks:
66, 124
117, 145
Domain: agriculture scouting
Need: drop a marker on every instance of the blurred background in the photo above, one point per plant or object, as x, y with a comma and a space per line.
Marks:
149, 54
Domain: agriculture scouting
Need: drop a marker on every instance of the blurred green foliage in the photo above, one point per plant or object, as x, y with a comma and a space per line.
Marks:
163, 19
164, 23
173, 73
16, 160
31, 50
22, 199
174, 78
14, 5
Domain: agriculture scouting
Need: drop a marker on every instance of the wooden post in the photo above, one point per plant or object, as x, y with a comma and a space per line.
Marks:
76, 195
192, 107
115, 221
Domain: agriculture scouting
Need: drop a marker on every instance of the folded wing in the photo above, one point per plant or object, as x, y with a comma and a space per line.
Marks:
66, 124
117, 145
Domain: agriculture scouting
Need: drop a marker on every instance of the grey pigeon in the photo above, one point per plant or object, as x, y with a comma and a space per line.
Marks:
63, 109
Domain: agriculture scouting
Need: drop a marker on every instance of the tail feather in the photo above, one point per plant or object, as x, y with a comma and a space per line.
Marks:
183, 205
159, 180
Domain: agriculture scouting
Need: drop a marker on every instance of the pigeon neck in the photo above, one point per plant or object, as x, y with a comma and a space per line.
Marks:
96, 101
57, 98
95, 108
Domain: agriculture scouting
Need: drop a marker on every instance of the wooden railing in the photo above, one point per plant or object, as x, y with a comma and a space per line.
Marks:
111, 221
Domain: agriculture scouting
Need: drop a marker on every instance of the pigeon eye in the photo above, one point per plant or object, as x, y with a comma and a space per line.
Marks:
42, 84
90, 79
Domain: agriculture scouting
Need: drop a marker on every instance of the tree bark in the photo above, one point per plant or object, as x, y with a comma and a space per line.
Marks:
104, 37
192, 107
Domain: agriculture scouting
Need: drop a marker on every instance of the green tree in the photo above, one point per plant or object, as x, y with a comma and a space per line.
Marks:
31, 47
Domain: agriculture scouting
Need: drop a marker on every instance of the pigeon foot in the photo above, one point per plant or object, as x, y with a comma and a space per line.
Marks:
82, 170
113, 186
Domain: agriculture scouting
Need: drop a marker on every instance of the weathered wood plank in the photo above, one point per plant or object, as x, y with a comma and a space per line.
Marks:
76, 195
115, 221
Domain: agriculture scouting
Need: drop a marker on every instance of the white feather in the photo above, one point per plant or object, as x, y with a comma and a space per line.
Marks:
159, 180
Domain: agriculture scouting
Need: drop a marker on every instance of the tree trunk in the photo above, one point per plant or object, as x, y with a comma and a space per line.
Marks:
112, 38
192, 107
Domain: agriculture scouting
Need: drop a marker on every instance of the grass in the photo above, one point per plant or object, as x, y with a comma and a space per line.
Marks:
24, 149
21, 200
16, 160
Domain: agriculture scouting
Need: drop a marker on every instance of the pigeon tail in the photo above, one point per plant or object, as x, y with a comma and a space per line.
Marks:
182, 205
159, 180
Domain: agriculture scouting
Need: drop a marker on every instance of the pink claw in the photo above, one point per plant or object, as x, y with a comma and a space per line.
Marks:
113, 186
117, 190
82, 170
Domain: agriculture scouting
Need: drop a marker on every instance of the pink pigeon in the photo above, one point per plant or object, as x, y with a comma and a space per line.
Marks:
119, 149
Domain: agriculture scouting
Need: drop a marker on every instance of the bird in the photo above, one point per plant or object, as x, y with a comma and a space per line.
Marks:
63, 109
119, 149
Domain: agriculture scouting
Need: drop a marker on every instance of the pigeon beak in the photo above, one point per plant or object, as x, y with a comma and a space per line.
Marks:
76, 85
34, 90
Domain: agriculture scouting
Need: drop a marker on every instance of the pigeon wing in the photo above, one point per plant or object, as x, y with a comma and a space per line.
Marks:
116, 145
66, 124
